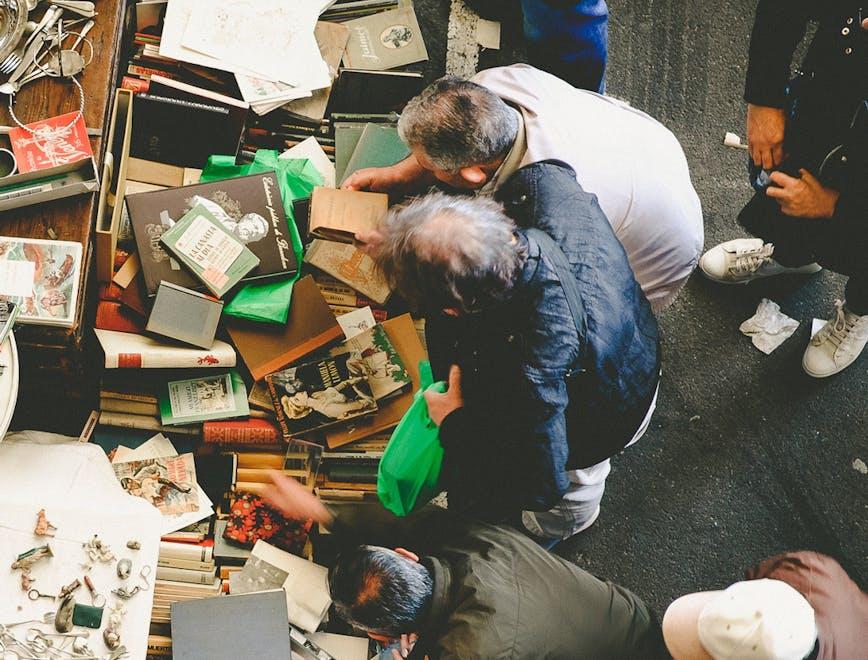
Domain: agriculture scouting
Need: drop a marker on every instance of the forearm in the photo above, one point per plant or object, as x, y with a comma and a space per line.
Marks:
412, 175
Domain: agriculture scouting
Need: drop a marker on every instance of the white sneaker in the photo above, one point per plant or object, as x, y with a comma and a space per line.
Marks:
838, 343
745, 259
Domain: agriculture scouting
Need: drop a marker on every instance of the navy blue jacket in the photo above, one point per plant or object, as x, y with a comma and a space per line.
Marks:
540, 396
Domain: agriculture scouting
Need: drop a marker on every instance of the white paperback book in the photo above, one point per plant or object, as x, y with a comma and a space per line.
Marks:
125, 350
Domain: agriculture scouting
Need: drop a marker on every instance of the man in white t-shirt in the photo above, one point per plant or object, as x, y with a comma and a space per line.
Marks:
474, 135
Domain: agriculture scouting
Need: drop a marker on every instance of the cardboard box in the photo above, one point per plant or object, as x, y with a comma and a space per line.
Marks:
48, 184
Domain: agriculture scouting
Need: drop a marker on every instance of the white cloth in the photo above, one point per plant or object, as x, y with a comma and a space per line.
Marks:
76, 486
633, 163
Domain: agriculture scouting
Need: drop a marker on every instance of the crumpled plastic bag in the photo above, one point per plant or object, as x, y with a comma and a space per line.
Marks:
769, 327
296, 178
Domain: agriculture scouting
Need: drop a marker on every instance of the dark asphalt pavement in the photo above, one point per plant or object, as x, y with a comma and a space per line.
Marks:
746, 456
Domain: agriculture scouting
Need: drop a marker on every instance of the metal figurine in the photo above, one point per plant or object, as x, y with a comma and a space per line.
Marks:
133, 544
26, 560
63, 618
112, 633
68, 589
96, 550
43, 526
124, 568
126, 594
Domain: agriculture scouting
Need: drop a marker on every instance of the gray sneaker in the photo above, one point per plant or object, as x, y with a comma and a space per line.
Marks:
838, 343
743, 260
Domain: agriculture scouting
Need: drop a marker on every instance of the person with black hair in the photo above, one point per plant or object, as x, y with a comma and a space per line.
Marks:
468, 589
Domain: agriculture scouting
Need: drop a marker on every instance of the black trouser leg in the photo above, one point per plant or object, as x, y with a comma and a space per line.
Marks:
791, 237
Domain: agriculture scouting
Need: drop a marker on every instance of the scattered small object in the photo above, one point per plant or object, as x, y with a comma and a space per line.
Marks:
27, 559
124, 568
112, 633
126, 594
695, 418
88, 616
96, 598
35, 594
769, 327
68, 589
96, 550
52, 234
43, 526
63, 618
733, 141
860, 466
145, 574
134, 545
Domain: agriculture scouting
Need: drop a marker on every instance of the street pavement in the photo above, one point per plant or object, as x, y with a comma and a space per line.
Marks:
746, 455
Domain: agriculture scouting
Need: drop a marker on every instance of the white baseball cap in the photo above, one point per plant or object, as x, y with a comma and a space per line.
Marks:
751, 620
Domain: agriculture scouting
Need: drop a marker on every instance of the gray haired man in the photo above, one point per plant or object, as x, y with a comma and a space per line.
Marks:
550, 345
476, 134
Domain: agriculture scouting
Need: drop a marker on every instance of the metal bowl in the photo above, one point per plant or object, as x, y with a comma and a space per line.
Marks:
13, 17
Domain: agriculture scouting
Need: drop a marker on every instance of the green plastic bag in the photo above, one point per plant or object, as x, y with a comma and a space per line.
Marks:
296, 178
410, 467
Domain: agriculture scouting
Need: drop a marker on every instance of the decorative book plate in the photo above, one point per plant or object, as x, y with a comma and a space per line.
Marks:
8, 382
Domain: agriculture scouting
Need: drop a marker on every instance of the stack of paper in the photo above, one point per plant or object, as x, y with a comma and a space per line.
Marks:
161, 447
269, 45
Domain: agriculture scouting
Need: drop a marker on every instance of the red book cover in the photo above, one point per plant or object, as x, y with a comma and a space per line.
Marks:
253, 431
112, 315
137, 85
50, 142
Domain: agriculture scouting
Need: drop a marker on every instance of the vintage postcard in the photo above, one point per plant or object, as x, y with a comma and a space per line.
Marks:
168, 483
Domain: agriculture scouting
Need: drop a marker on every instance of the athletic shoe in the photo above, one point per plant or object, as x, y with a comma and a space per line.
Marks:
746, 259
838, 343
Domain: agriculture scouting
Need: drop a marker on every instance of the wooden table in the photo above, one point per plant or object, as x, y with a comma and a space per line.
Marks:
51, 356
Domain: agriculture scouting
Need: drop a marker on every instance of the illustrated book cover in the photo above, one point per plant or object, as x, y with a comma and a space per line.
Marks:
50, 142
222, 396
249, 207
41, 277
320, 393
351, 266
372, 353
203, 244
168, 483
385, 40
337, 215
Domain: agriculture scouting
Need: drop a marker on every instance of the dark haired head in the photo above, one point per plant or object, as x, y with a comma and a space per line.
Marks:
380, 591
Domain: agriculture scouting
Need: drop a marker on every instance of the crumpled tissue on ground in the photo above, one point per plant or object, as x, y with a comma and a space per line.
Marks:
769, 327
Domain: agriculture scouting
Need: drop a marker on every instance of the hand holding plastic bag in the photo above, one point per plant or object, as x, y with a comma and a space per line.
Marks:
410, 468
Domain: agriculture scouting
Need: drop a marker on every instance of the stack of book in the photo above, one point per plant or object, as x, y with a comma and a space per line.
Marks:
185, 571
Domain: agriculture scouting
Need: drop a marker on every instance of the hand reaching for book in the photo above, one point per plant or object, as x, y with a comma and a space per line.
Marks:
440, 406
295, 501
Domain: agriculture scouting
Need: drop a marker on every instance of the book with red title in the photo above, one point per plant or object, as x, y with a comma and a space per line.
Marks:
51, 142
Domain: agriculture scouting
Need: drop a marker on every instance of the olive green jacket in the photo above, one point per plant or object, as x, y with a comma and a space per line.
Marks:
497, 594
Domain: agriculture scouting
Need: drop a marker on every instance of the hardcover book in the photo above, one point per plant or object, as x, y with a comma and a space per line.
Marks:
203, 244
112, 315
385, 40
337, 215
125, 350
267, 347
50, 142
41, 277
248, 431
351, 266
373, 92
185, 315
372, 353
318, 394
378, 146
205, 398
248, 207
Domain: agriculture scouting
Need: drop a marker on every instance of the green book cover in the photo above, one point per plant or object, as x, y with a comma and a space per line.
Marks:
347, 135
204, 399
378, 146
206, 247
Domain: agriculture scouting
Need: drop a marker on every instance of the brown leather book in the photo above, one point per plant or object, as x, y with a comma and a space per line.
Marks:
266, 348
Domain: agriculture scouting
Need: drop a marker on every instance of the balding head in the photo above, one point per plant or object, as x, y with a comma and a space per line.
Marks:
448, 252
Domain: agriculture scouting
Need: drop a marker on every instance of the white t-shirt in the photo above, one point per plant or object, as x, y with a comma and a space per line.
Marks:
632, 162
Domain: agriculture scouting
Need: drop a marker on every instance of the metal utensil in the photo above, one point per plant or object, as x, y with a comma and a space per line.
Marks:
80, 7
19, 62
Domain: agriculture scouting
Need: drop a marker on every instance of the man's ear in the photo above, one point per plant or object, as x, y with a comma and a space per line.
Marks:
412, 556
473, 175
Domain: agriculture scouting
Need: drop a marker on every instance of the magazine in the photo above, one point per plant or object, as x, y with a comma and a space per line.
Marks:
168, 483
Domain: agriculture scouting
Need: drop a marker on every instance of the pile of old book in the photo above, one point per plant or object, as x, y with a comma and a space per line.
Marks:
200, 397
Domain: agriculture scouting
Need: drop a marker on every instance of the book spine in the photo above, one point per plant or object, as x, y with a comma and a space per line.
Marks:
136, 85
263, 476
379, 315
189, 564
131, 421
184, 575
254, 431
126, 406
186, 551
177, 587
227, 571
146, 72
156, 359
128, 396
261, 461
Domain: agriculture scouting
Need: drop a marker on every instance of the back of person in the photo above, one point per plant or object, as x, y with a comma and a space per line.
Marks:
633, 163
512, 599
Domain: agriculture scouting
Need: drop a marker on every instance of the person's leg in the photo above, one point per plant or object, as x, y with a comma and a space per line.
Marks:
577, 510
569, 38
